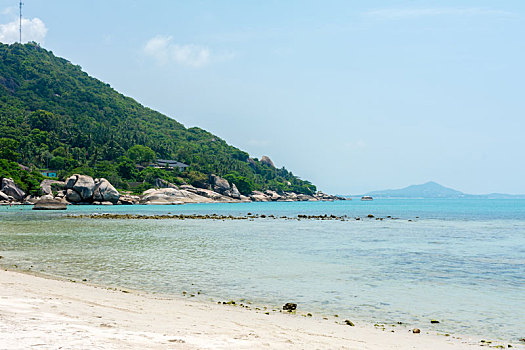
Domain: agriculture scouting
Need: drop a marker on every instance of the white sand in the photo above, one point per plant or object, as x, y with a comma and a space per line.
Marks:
41, 313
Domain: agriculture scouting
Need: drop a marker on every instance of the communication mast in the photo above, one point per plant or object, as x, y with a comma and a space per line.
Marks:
20, 21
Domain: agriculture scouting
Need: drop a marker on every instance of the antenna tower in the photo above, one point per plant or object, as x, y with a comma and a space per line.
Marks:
20, 28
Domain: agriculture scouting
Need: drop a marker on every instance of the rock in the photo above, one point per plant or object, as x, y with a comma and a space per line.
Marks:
233, 192
160, 183
9, 188
105, 192
48, 186
219, 184
266, 160
223, 187
3, 196
257, 196
434, 321
129, 200
70, 182
290, 307
85, 186
214, 196
349, 323
416, 331
274, 196
30, 200
172, 196
49, 204
305, 198
73, 196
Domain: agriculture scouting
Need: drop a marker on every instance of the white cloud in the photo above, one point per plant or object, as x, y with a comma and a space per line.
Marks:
164, 51
422, 12
32, 30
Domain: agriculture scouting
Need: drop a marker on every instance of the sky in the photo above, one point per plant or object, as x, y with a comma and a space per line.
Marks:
354, 96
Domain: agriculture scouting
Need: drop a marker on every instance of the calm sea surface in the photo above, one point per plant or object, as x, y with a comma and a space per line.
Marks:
459, 261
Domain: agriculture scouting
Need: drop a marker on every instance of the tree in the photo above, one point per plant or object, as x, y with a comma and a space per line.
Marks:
141, 154
43, 120
8, 149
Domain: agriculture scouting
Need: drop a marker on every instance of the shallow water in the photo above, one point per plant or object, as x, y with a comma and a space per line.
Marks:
461, 261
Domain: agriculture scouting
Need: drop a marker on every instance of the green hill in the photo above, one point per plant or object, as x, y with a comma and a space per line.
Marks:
55, 116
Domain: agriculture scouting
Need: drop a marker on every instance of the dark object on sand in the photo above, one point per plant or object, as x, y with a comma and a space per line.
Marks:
50, 204
416, 331
349, 323
290, 307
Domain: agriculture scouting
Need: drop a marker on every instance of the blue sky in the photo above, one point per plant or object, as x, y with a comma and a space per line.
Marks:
352, 95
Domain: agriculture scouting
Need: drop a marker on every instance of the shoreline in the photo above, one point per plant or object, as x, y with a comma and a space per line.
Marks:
43, 309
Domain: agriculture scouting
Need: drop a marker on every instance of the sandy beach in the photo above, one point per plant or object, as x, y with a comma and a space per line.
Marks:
45, 313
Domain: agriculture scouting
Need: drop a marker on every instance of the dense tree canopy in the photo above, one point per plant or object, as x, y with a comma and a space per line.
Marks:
54, 116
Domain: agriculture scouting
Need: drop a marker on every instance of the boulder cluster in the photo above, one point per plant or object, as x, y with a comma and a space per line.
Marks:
83, 189
10, 192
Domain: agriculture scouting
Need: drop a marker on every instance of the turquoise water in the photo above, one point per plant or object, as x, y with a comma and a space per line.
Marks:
459, 261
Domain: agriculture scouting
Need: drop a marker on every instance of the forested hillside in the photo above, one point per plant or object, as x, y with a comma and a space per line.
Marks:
55, 116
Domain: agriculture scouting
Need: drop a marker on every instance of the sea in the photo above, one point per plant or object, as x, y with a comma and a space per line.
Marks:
458, 261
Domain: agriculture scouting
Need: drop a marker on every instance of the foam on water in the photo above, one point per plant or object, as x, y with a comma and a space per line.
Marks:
461, 261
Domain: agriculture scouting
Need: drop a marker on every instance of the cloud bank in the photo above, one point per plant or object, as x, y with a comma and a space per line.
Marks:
393, 13
164, 51
32, 30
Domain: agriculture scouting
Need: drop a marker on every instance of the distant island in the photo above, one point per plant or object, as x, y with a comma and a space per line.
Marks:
434, 190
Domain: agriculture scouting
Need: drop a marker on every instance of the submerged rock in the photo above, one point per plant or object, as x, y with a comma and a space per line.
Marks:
290, 307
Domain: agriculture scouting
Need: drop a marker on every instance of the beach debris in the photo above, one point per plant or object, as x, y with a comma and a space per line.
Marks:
290, 307
434, 321
370, 215
309, 314
416, 331
349, 323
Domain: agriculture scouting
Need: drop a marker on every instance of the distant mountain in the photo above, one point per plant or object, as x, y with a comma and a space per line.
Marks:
434, 190
426, 190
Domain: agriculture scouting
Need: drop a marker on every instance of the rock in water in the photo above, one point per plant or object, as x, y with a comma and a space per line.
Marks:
9, 188
290, 307
50, 204
105, 192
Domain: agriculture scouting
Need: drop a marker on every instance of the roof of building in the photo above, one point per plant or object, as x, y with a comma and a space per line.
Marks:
171, 163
